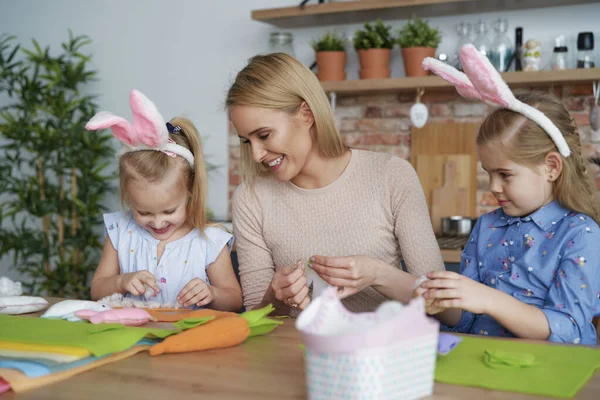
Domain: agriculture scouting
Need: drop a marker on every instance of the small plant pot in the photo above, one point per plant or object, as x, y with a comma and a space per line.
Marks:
413, 58
374, 63
331, 65
374, 73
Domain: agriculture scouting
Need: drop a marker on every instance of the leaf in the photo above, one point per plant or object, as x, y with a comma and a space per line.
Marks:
188, 323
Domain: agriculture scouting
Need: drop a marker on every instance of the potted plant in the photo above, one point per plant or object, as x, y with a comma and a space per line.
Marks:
331, 56
417, 41
374, 45
54, 175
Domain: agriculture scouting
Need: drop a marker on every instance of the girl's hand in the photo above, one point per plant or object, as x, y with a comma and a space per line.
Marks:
431, 306
196, 292
349, 274
134, 282
289, 286
452, 290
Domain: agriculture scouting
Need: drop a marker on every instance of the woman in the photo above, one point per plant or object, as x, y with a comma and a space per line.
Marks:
305, 195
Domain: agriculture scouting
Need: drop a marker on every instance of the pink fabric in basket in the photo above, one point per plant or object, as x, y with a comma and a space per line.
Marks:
372, 332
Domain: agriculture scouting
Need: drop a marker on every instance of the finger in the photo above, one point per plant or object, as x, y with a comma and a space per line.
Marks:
449, 303
443, 294
440, 283
419, 291
333, 272
298, 298
198, 297
443, 275
136, 288
205, 301
284, 281
195, 297
186, 289
304, 303
193, 291
335, 262
292, 290
150, 280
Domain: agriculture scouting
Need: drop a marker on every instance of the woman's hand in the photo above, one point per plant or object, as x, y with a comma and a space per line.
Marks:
349, 274
289, 286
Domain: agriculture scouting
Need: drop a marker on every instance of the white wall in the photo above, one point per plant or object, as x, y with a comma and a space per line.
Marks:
183, 54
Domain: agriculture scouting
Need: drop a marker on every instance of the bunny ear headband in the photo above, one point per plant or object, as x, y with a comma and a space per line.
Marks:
483, 82
148, 132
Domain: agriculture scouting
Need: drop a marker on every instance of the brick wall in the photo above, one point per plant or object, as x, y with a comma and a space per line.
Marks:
381, 122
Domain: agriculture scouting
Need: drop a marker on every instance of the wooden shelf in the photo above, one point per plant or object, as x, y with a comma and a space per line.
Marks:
514, 79
352, 12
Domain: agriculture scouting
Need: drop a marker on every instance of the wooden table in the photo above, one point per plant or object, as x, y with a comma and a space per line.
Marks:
267, 367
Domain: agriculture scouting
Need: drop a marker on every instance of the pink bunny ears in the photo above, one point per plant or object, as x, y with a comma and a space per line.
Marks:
148, 132
483, 82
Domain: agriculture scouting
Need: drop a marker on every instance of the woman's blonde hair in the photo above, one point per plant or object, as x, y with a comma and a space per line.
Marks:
279, 81
528, 144
152, 166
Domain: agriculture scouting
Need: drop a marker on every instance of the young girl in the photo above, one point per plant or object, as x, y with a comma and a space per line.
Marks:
531, 268
163, 243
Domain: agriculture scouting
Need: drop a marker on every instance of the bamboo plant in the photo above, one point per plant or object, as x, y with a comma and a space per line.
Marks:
54, 175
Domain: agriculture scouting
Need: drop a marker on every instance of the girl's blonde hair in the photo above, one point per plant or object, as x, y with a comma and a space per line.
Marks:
279, 81
528, 144
152, 166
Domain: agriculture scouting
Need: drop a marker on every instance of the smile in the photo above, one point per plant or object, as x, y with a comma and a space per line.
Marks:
276, 161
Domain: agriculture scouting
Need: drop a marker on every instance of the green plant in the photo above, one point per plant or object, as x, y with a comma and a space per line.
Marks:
53, 172
418, 33
374, 36
330, 41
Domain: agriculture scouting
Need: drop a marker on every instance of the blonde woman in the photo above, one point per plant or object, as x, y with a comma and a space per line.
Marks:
306, 197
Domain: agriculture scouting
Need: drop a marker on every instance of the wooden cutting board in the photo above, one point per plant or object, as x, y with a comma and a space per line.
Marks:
450, 199
431, 175
446, 139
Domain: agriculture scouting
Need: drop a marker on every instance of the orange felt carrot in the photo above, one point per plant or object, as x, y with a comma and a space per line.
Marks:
178, 316
217, 334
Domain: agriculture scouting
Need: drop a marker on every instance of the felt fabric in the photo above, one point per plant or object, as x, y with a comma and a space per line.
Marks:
211, 329
35, 367
29, 355
560, 371
99, 339
44, 348
19, 382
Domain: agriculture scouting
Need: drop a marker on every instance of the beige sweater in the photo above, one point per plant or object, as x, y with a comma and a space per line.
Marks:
376, 208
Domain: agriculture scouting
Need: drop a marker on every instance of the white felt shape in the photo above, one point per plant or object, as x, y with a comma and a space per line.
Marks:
10, 288
318, 284
66, 309
14, 305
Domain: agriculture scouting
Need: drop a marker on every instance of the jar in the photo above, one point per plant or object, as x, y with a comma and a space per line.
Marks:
502, 50
560, 54
482, 42
464, 37
281, 42
585, 50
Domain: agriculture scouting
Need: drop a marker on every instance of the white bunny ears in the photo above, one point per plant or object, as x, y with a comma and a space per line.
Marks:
483, 82
148, 132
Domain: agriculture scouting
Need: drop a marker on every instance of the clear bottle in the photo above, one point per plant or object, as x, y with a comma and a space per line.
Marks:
560, 57
482, 42
281, 42
464, 37
585, 50
502, 49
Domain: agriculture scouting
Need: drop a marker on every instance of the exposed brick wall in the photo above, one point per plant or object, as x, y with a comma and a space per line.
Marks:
380, 122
